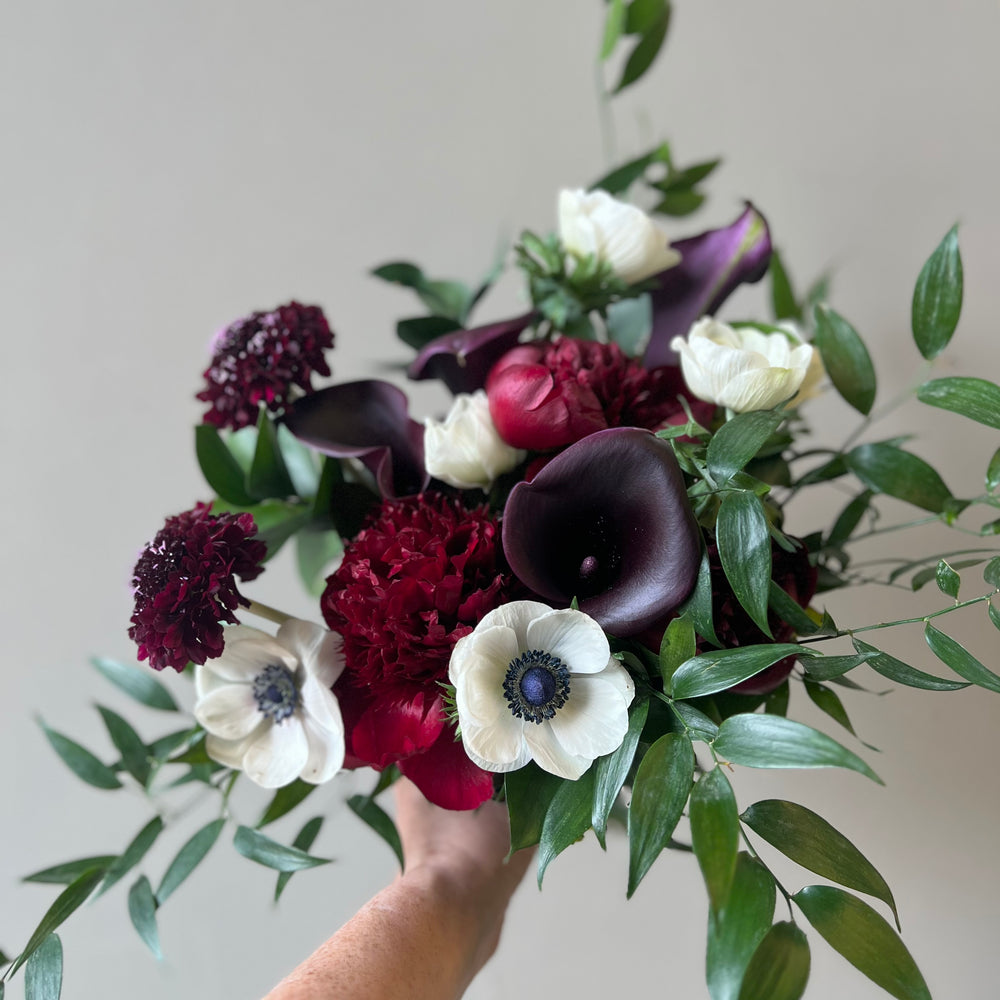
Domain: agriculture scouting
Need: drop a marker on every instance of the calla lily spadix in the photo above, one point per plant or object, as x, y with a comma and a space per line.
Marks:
607, 522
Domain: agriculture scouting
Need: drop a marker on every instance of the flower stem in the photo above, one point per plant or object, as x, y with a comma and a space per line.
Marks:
266, 611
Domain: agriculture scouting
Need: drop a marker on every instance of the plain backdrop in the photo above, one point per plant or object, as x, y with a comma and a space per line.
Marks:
167, 167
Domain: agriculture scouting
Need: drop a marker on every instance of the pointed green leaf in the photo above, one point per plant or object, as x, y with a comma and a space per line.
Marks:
956, 656
715, 834
138, 684
770, 741
698, 606
719, 669
790, 611
810, 841
779, 968
188, 858
849, 518
783, 301
887, 469
160, 750
735, 931
777, 701
619, 180
567, 819
629, 323
303, 841
845, 358
745, 550
219, 467
132, 854
268, 477
829, 703
128, 744
81, 761
645, 52
679, 644
142, 912
69, 871
902, 673
529, 791
825, 668
864, 938
370, 812
660, 790
994, 614
315, 551
67, 902
699, 725
738, 440
948, 580
614, 24
285, 800
255, 846
974, 398
993, 472
611, 770
44, 971
301, 463
991, 572
937, 297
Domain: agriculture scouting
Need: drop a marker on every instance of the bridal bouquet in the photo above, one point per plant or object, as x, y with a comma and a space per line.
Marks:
582, 588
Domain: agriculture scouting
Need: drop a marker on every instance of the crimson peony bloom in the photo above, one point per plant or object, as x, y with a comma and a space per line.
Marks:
184, 585
417, 578
263, 358
548, 395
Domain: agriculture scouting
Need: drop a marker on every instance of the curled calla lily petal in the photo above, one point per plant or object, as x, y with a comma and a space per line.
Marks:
463, 359
368, 420
608, 522
712, 266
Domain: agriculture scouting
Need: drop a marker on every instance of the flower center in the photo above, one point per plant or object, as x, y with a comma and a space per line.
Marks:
276, 693
536, 684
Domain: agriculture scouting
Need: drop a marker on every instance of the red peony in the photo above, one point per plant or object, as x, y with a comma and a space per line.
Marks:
264, 358
184, 585
417, 578
548, 395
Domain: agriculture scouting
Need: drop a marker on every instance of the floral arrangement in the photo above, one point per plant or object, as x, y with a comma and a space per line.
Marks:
576, 590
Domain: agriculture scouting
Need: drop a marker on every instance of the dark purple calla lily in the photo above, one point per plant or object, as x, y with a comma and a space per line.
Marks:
608, 522
368, 420
712, 266
463, 359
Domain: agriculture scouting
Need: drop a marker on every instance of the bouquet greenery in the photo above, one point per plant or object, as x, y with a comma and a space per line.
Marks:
583, 590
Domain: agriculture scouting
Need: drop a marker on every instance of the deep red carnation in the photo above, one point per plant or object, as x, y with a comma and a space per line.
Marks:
262, 358
418, 577
548, 395
184, 585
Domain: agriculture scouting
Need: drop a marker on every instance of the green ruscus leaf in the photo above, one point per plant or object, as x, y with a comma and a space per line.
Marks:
528, 791
718, 669
738, 440
81, 761
845, 358
370, 812
779, 968
43, 973
745, 551
887, 469
304, 839
567, 820
715, 834
611, 770
974, 398
138, 684
256, 846
956, 656
142, 912
219, 466
188, 858
937, 297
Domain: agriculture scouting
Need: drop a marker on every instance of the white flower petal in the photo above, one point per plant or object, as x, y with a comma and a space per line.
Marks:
550, 755
594, 720
761, 390
320, 651
229, 711
230, 752
326, 752
278, 754
247, 652
498, 747
572, 636
320, 704
516, 615
479, 693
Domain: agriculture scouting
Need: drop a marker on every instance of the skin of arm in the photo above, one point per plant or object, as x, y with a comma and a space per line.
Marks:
427, 934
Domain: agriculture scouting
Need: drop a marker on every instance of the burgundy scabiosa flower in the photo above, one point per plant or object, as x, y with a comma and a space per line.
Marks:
417, 578
264, 358
184, 585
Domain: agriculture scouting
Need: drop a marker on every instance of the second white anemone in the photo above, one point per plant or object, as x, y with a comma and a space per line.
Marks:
535, 683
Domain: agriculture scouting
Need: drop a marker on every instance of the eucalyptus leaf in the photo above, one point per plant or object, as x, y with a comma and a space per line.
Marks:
719, 669
69, 871
735, 931
128, 744
304, 839
133, 854
845, 358
44, 971
937, 297
370, 812
974, 398
142, 912
886, 468
745, 551
285, 799
770, 741
956, 656
779, 968
529, 791
256, 846
864, 938
660, 790
738, 440
715, 834
611, 770
219, 467
678, 645
81, 761
810, 841
188, 858
137, 684
567, 820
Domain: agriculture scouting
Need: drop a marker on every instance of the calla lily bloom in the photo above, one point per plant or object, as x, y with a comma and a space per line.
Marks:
608, 522
368, 420
463, 359
713, 265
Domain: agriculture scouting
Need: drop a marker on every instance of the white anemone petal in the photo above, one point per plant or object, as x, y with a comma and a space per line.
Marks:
229, 711
320, 704
326, 752
594, 719
572, 636
499, 747
516, 615
551, 755
246, 654
278, 754
230, 752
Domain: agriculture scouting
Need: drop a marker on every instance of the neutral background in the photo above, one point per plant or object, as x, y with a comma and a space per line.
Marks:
168, 167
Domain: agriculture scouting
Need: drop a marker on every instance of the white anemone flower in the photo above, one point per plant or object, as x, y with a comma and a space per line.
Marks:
593, 222
534, 683
267, 706
744, 369
466, 450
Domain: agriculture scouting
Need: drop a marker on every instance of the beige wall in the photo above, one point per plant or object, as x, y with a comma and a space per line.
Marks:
169, 166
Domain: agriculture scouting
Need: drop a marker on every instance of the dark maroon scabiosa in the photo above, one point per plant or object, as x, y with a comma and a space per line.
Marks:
184, 585
264, 358
608, 522
417, 578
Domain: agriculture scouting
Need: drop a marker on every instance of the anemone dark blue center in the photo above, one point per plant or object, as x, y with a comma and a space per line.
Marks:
536, 685
275, 691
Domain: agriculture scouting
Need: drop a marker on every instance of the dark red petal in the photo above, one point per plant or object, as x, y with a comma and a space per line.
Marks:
392, 730
446, 776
